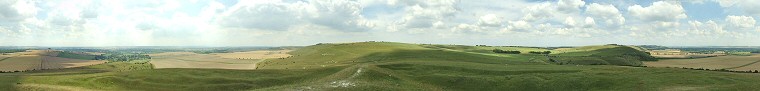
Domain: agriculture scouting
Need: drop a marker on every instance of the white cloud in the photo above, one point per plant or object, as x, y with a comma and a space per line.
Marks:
659, 11
16, 10
608, 14
423, 15
490, 20
570, 6
706, 28
521, 26
302, 22
740, 22
539, 12
751, 7
338, 15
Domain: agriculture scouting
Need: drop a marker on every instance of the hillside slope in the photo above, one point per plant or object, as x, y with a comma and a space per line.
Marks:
368, 66
347, 54
603, 55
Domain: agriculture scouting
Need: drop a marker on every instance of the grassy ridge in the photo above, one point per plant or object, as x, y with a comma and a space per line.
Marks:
135, 76
612, 55
394, 66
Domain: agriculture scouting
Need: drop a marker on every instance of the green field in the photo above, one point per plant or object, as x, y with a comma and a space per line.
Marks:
394, 66
75, 56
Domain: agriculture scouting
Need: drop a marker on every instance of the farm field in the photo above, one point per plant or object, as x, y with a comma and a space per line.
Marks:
40, 59
58, 62
739, 63
261, 54
193, 60
688, 56
21, 63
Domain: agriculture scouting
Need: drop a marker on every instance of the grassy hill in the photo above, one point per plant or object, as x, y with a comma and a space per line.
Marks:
347, 54
605, 54
390, 66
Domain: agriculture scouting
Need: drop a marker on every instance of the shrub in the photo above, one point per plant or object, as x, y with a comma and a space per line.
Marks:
505, 52
539, 52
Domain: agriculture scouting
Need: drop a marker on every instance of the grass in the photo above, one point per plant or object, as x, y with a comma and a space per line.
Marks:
740, 53
75, 56
390, 66
608, 54
11, 50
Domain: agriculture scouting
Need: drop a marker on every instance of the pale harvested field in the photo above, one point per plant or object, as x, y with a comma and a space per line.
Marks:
687, 56
31, 60
58, 63
21, 63
721, 62
263, 54
751, 67
192, 60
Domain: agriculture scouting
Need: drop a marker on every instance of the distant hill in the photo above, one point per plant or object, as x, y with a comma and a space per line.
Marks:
341, 54
603, 55
338, 54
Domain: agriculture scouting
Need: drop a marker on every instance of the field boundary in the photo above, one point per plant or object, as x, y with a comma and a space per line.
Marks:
742, 65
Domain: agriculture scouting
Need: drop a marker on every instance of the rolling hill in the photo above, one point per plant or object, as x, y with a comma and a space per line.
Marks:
603, 55
393, 66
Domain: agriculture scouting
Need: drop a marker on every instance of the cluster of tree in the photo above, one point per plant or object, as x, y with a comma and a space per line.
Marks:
538, 52
505, 52
122, 57
212, 51
11, 50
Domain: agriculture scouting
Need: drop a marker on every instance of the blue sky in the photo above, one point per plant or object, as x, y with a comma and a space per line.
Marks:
306, 22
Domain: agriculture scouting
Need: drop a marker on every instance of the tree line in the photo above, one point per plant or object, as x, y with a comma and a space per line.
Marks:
505, 52
122, 57
518, 52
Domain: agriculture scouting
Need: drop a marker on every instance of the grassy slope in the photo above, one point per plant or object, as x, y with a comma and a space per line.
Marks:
75, 56
134, 76
388, 66
598, 54
427, 69
606, 54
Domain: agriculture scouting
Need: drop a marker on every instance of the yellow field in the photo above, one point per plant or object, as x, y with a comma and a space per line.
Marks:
21, 63
688, 56
58, 63
193, 60
751, 67
40, 59
264, 54
739, 63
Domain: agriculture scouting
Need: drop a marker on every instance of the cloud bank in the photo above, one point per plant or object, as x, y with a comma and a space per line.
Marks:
305, 22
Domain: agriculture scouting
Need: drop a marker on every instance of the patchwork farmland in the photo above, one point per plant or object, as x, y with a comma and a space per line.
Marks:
738, 63
40, 59
236, 60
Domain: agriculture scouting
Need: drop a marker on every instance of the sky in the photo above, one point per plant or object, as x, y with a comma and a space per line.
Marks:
308, 22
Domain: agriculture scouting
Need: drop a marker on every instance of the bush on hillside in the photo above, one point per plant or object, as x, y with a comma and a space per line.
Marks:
538, 52
505, 52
